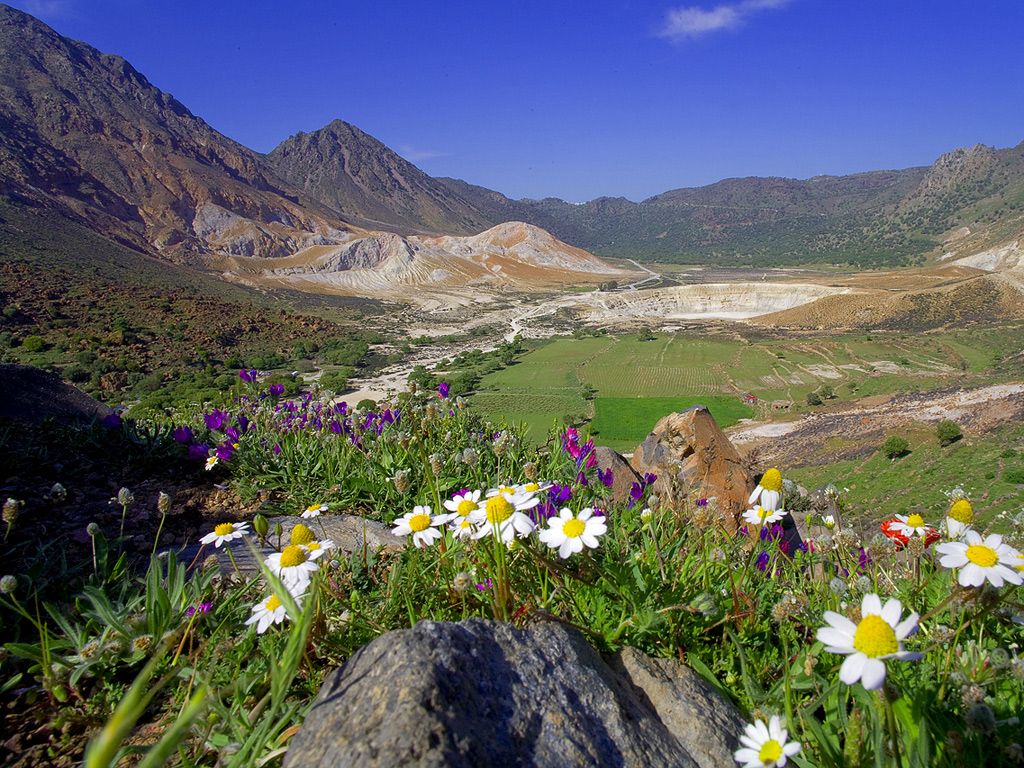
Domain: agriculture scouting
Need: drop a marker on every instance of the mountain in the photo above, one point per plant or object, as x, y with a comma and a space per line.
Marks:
357, 175
85, 133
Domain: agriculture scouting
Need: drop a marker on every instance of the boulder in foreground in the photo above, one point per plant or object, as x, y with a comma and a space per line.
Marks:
478, 693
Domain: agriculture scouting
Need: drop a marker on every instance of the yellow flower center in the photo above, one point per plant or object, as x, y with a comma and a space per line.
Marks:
301, 534
531, 487
464, 523
574, 528
915, 521
1020, 566
981, 555
292, 555
313, 546
419, 522
224, 529
962, 511
772, 480
506, 489
465, 507
770, 752
499, 509
272, 603
313, 508
874, 637
762, 513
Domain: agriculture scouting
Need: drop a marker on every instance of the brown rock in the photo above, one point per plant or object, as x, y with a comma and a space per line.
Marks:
692, 457
623, 475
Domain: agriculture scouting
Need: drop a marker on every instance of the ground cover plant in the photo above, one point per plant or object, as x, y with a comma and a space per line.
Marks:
565, 380
894, 642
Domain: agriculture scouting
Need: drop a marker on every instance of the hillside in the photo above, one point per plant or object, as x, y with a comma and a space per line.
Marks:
85, 133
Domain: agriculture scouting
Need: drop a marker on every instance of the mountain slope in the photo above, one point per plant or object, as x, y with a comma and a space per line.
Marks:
84, 132
357, 175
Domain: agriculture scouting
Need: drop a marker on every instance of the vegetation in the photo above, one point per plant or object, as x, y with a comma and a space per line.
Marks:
895, 446
201, 667
948, 432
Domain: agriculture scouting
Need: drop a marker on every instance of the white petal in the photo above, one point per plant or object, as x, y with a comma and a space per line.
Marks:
891, 611
841, 623
835, 638
906, 627
871, 605
755, 494
851, 670
873, 674
745, 755
971, 576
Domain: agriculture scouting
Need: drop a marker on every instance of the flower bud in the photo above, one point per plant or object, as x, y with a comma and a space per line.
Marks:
260, 525
8, 584
470, 457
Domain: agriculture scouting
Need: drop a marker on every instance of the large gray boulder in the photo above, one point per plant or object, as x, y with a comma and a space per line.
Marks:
481, 693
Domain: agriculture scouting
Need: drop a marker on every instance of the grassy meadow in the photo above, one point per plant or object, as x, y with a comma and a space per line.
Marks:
623, 384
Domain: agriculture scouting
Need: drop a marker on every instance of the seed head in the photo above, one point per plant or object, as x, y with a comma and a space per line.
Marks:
12, 508
125, 497
436, 463
163, 503
8, 584
972, 694
915, 547
981, 718
810, 662
654, 501
470, 457
402, 481
93, 530
58, 492
838, 586
142, 643
211, 562
462, 581
1014, 754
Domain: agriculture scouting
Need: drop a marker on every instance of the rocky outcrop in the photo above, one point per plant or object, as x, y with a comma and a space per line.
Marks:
485, 693
692, 457
623, 475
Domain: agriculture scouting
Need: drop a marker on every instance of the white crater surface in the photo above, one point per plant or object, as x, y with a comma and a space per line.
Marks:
724, 301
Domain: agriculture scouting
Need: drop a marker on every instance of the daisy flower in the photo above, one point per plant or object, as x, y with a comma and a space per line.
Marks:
461, 505
878, 636
313, 510
504, 514
267, 612
981, 560
224, 533
765, 745
294, 566
959, 518
903, 528
212, 462
769, 490
316, 549
462, 527
569, 533
763, 515
421, 524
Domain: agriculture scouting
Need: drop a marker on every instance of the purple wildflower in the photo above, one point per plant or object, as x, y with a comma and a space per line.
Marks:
202, 609
248, 376
442, 390
762, 561
225, 451
216, 420
486, 585
559, 494
341, 408
277, 449
606, 477
702, 502
198, 451
276, 390
113, 421
232, 434
182, 435
335, 426
243, 424
650, 478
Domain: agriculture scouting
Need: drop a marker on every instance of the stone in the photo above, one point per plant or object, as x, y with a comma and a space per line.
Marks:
478, 693
692, 457
350, 534
32, 395
623, 475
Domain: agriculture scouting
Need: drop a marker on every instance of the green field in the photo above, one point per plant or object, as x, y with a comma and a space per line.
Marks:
590, 379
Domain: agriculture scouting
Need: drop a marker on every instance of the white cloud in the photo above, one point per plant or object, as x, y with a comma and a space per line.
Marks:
689, 22
414, 155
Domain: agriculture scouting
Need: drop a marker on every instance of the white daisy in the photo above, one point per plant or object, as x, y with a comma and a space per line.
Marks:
769, 490
421, 524
294, 566
462, 527
504, 515
765, 745
225, 532
763, 515
981, 560
569, 533
909, 525
878, 636
316, 549
313, 510
462, 505
267, 612
959, 518
212, 462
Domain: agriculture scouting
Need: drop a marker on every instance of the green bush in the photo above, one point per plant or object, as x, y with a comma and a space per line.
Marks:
33, 344
948, 432
895, 447
336, 381
813, 398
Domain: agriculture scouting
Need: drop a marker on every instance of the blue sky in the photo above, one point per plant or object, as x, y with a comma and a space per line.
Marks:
578, 99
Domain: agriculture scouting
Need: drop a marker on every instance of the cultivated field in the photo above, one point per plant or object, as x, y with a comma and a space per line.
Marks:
624, 384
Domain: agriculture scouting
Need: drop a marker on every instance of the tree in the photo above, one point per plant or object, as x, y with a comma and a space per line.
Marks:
813, 398
948, 432
895, 447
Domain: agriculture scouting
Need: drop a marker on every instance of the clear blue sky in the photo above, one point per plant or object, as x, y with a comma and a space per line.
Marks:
582, 98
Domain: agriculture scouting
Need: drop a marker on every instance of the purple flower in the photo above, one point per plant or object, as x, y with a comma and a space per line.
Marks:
442, 390
243, 424
225, 451
649, 479
581, 479
247, 376
198, 451
216, 420
702, 502
276, 390
543, 511
762, 561
277, 449
113, 421
864, 559
636, 492
335, 426
202, 609
605, 476
484, 586
341, 408
232, 434
559, 494
182, 435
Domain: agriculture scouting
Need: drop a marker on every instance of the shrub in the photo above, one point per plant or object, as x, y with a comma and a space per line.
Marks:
336, 381
895, 447
948, 432
33, 344
1014, 476
813, 398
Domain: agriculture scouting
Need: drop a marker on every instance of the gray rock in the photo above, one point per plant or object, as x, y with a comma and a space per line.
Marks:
350, 534
481, 693
32, 395
623, 475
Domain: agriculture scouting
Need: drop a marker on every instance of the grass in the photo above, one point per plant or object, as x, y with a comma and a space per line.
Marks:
627, 421
565, 375
921, 478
